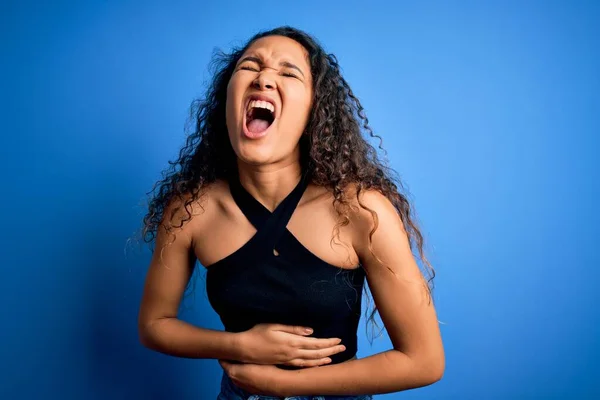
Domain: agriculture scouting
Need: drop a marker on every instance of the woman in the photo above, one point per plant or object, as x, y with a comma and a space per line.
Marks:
286, 205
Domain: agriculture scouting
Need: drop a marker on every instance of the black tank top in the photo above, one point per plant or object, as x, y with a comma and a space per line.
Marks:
273, 278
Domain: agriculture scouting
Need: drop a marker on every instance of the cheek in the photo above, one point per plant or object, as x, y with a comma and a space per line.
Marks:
230, 102
233, 115
299, 101
235, 91
297, 95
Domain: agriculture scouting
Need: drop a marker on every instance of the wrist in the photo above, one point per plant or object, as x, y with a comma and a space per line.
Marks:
283, 383
238, 344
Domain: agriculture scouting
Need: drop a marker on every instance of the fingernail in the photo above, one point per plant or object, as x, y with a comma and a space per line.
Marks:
308, 330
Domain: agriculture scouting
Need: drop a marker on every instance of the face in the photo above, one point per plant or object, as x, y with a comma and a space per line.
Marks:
268, 101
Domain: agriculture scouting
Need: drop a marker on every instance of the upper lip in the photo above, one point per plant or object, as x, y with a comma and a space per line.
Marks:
261, 97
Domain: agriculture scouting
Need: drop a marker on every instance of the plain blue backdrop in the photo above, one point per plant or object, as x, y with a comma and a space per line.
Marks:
488, 110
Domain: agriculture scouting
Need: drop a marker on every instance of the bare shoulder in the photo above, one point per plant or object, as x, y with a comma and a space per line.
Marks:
370, 206
364, 210
188, 213
375, 221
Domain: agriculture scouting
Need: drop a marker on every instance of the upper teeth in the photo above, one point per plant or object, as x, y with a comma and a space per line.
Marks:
261, 104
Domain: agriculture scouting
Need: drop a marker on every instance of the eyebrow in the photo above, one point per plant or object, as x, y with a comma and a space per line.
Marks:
257, 60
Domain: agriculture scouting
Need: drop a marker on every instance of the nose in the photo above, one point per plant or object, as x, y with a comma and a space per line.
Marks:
264, 82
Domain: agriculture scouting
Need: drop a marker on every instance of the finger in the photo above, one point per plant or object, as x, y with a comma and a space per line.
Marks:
316, 343
297, 330
226, 365
303, 363
319, 354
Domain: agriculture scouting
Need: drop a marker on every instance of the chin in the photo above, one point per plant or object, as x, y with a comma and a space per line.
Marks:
254, 155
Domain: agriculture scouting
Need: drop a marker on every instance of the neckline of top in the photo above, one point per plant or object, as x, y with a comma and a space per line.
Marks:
247, 202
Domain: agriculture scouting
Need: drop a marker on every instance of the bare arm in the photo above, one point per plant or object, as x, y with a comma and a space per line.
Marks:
159, 328
417, 357
169, 272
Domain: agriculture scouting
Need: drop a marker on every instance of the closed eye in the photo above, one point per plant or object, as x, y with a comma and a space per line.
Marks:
254, 69
249, 68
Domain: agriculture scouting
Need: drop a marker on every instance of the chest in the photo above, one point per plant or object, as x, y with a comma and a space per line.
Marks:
275, 288
312, 225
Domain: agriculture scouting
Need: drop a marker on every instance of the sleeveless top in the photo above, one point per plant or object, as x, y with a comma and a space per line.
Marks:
273, 278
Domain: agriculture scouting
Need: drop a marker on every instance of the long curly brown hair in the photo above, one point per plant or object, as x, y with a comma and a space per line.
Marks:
334, 148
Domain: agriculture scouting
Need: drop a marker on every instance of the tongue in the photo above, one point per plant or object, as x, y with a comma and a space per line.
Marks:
258, 125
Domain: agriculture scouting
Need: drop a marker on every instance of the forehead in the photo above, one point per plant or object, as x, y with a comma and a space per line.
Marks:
279, 48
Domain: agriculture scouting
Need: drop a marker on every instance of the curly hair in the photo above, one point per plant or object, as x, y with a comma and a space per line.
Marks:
334, 149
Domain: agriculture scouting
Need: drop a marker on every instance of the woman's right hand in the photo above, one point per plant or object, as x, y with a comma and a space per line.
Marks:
286, 345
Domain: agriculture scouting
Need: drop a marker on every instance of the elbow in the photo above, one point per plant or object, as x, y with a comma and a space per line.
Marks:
419, 369
436, 372
146, 334
424, 369
432, 369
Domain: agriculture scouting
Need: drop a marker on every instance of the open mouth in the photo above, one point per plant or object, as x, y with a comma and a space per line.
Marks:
259, 116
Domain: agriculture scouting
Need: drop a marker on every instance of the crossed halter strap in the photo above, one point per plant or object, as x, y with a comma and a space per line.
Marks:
270, 226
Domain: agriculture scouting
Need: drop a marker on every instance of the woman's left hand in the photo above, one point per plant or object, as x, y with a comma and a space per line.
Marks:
267, 380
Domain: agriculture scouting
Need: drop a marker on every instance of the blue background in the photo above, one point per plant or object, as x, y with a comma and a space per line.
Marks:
488, 110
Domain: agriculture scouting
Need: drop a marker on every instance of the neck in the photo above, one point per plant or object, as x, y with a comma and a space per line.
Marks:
270, 186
